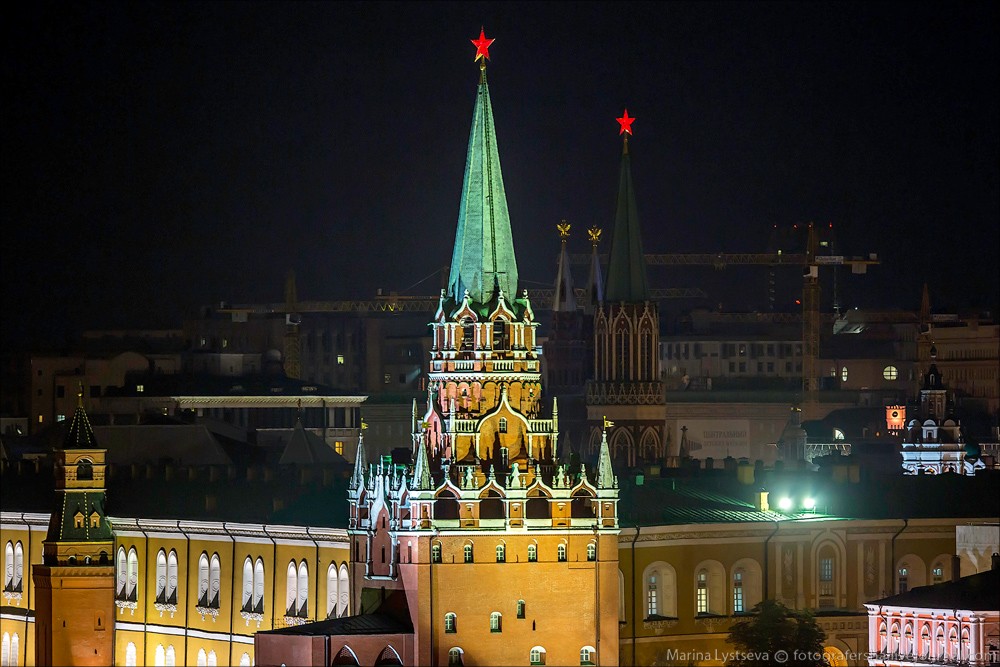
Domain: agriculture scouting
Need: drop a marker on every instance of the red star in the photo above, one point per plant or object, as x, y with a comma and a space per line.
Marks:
626, 123
482, 45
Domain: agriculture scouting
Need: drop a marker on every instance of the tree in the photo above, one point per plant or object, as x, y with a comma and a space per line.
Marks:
773, 634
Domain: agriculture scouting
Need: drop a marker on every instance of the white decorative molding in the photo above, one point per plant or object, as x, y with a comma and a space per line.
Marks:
165, 606
208, 611
12, 596
127, 604
295, 620
252, 616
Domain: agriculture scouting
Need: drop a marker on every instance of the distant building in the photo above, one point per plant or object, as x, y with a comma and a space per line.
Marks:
954, 622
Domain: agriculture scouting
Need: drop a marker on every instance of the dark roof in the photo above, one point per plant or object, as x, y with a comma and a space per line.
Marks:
307, 448
977, 592
626, 265
391, 618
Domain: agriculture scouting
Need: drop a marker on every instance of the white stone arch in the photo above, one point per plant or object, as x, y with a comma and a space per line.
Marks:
213, 659
130, 655
245, 659
121, 573
835, 652
659, 590
916, 572
302, 595
752, 581
202, 658
828, 545
331, 590
343, 590
345, 656
133, 575
291, 587
160, 656
536, 655
715, 585
388, 656
247, 584
8, 566
587, 655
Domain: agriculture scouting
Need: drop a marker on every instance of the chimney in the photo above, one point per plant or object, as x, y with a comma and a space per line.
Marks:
760, 501
956, 568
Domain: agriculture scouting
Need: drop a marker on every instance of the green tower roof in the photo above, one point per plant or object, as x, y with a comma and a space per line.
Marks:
626, 265
484, 248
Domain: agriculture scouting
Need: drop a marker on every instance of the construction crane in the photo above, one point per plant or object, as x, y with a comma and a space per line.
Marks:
810, 261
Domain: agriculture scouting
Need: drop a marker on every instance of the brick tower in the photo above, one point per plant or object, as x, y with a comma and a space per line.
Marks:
499, 553
74, 585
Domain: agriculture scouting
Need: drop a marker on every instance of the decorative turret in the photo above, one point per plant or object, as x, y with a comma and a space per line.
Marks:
357, 480
483, 260
76, 574
626, 265
605, 478
564, 297
595, 282
626, 375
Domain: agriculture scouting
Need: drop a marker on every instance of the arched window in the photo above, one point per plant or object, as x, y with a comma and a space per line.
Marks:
925, 641
653, 594
436, 552
502, 427
291, 589
939, 646
450, 622
203, 582
701, 598
496, 622
214, 583
894, 639
467, 551
171, 656
501, 554
331, 591
738, 607
161, 576
302, 599
903, 576
561, 553
160, 657
826, 567
587, 654
213, 660
660, 581
85, 469
121, 573
132, 590
532, 553
172, 578
843, 374
202, 658
890, 372
591, 551
258, 586
247, 585
343, 589
18, 568
8, 567
455, 657
245, 660
536, 656
15, 650
130, 655
907, 648
5, 647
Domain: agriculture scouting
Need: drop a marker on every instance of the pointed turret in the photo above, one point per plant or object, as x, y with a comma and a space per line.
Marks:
483, 259
422, 470
595, 281
605, 478
626, 265
360, 463
564, 297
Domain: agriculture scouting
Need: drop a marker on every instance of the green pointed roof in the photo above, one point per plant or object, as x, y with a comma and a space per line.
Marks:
626, 265
80, 434
484, 248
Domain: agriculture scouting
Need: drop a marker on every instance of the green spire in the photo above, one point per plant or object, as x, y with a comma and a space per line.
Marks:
484, 249
80, 434
626, 265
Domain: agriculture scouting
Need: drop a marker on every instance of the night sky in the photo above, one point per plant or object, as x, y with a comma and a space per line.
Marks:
160, 157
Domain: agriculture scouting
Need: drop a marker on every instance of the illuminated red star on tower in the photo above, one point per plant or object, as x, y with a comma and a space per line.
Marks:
626, 123
482, 45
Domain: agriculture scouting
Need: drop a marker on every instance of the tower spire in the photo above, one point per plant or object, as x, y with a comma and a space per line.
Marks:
357, 480
626, 265
605, 478
483, 259
595, 282
564, 297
